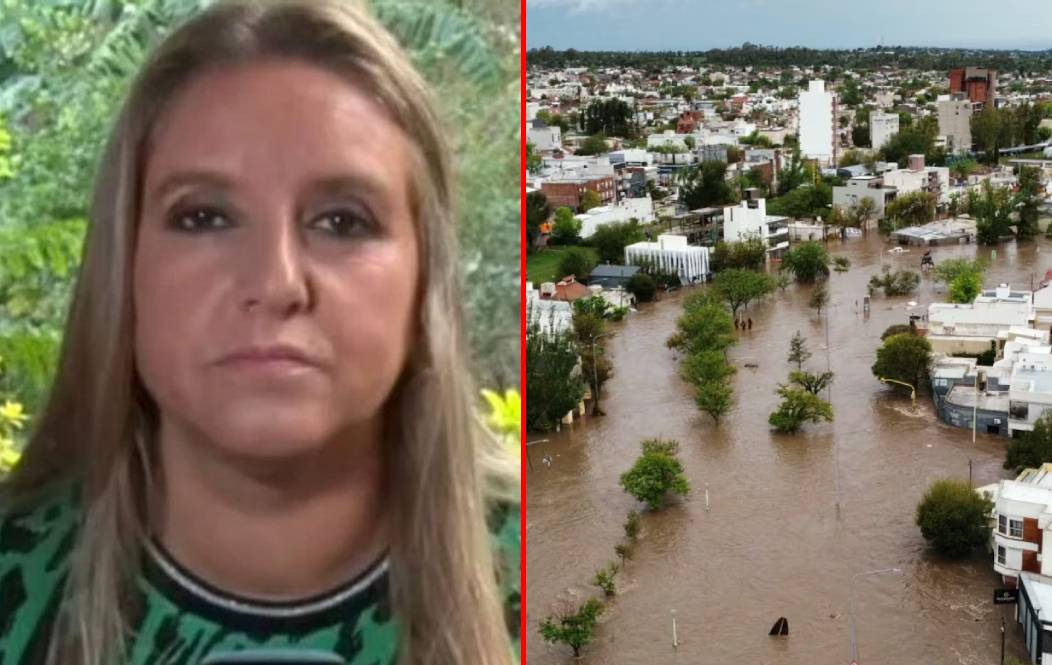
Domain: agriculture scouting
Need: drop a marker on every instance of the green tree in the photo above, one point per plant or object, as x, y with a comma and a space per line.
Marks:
798, 352
819, 297
739, 287
798, 406
849, 93
705, 366
592, 145
917, 139
656, 474
965, 287
705, 325
894, 283
611, 116
1027, 200
953, 517
897, 329
623, 552
642, 286
811, 200
812, 383
714, 398
606, 579
904, 358
533, 160
749, 253
992, 209
611, 239
576, 261
808, 261
949, 269
590, 199
910, 209
566, 229
553, 385
861, 212
538, 210
987, 134
1032, 449
631, 526
704, 185
575, 629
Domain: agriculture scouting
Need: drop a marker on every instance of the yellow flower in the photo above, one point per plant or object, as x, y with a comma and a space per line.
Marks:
505, 413
12, 413
8, 455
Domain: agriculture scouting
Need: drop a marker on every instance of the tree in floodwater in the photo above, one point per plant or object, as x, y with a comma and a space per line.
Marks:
953, 517
574, 629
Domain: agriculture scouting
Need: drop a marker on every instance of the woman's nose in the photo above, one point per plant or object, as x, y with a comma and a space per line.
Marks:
275, 270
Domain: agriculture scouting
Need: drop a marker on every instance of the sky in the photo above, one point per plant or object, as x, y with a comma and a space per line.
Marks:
634, 25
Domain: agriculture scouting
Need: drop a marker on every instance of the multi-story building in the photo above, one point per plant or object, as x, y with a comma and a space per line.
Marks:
1021, 518
749, 219
567, 191
917, 177
818, 123
865, 187
544, 137
673, 254
955, 123
882, 126
978, 84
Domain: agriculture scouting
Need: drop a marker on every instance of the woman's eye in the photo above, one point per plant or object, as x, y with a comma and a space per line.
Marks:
200, 219
342, 223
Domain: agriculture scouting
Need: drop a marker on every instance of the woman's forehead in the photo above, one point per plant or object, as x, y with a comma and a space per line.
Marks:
276, 121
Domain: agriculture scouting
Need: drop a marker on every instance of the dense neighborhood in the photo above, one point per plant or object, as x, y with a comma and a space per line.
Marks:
881, 229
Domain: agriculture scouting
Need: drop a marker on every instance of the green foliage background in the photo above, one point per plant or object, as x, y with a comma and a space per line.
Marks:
64, 66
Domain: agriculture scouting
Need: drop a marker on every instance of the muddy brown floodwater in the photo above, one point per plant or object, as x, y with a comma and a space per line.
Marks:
772, 543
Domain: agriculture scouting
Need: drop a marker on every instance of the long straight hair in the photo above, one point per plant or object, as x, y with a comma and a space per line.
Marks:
99, 422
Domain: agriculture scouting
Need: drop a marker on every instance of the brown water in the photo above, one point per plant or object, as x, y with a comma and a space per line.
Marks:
772, 543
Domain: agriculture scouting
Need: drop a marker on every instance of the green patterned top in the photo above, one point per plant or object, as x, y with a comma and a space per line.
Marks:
184, 619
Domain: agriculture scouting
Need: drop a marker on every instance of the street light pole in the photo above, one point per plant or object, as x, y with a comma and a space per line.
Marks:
854, 640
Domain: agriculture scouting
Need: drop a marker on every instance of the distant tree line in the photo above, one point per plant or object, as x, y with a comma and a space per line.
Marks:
753, 55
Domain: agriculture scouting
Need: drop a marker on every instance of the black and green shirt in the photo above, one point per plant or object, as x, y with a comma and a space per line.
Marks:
184, 619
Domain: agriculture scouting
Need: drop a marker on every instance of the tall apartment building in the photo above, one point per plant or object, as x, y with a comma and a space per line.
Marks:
818, 123
882, 126
978, 84
955, 123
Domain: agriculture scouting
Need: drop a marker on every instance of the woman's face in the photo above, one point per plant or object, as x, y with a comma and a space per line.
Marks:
276, 265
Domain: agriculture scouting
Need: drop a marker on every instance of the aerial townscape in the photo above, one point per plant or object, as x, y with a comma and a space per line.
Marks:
789, 368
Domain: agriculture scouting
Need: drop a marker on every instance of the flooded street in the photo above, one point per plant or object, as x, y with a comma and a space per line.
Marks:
773, 542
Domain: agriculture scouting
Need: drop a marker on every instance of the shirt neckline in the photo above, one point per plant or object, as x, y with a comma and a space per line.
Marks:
191, 593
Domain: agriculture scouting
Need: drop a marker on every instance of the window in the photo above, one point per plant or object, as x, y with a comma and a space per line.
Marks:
1019, 410
1002, 524
1000, 555
1015, 528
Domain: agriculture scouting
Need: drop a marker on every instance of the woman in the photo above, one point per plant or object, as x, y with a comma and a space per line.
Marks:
261, 434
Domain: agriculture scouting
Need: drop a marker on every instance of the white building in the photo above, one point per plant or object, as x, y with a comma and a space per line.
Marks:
1030, 389
554, 316
865, 187
882, 126
817, 122
955, 123
544, 137
641, 209
917, 177
970, 328
749, 219
671, 253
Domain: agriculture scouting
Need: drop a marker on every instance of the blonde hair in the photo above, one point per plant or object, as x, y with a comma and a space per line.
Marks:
99, 419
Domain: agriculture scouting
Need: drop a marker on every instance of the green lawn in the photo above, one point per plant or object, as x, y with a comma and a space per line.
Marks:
542, 266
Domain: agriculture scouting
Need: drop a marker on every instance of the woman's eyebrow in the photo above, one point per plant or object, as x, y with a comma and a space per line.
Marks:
349, 183
211, 179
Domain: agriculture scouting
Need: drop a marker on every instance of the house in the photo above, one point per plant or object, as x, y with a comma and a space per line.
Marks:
970, 328
917, 177
1021, 518
1034, 613
641, 209
749, 219
567, 289
940, 232
544, 137
610, 276
865, 186
563, 191
672, 254
550, 316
